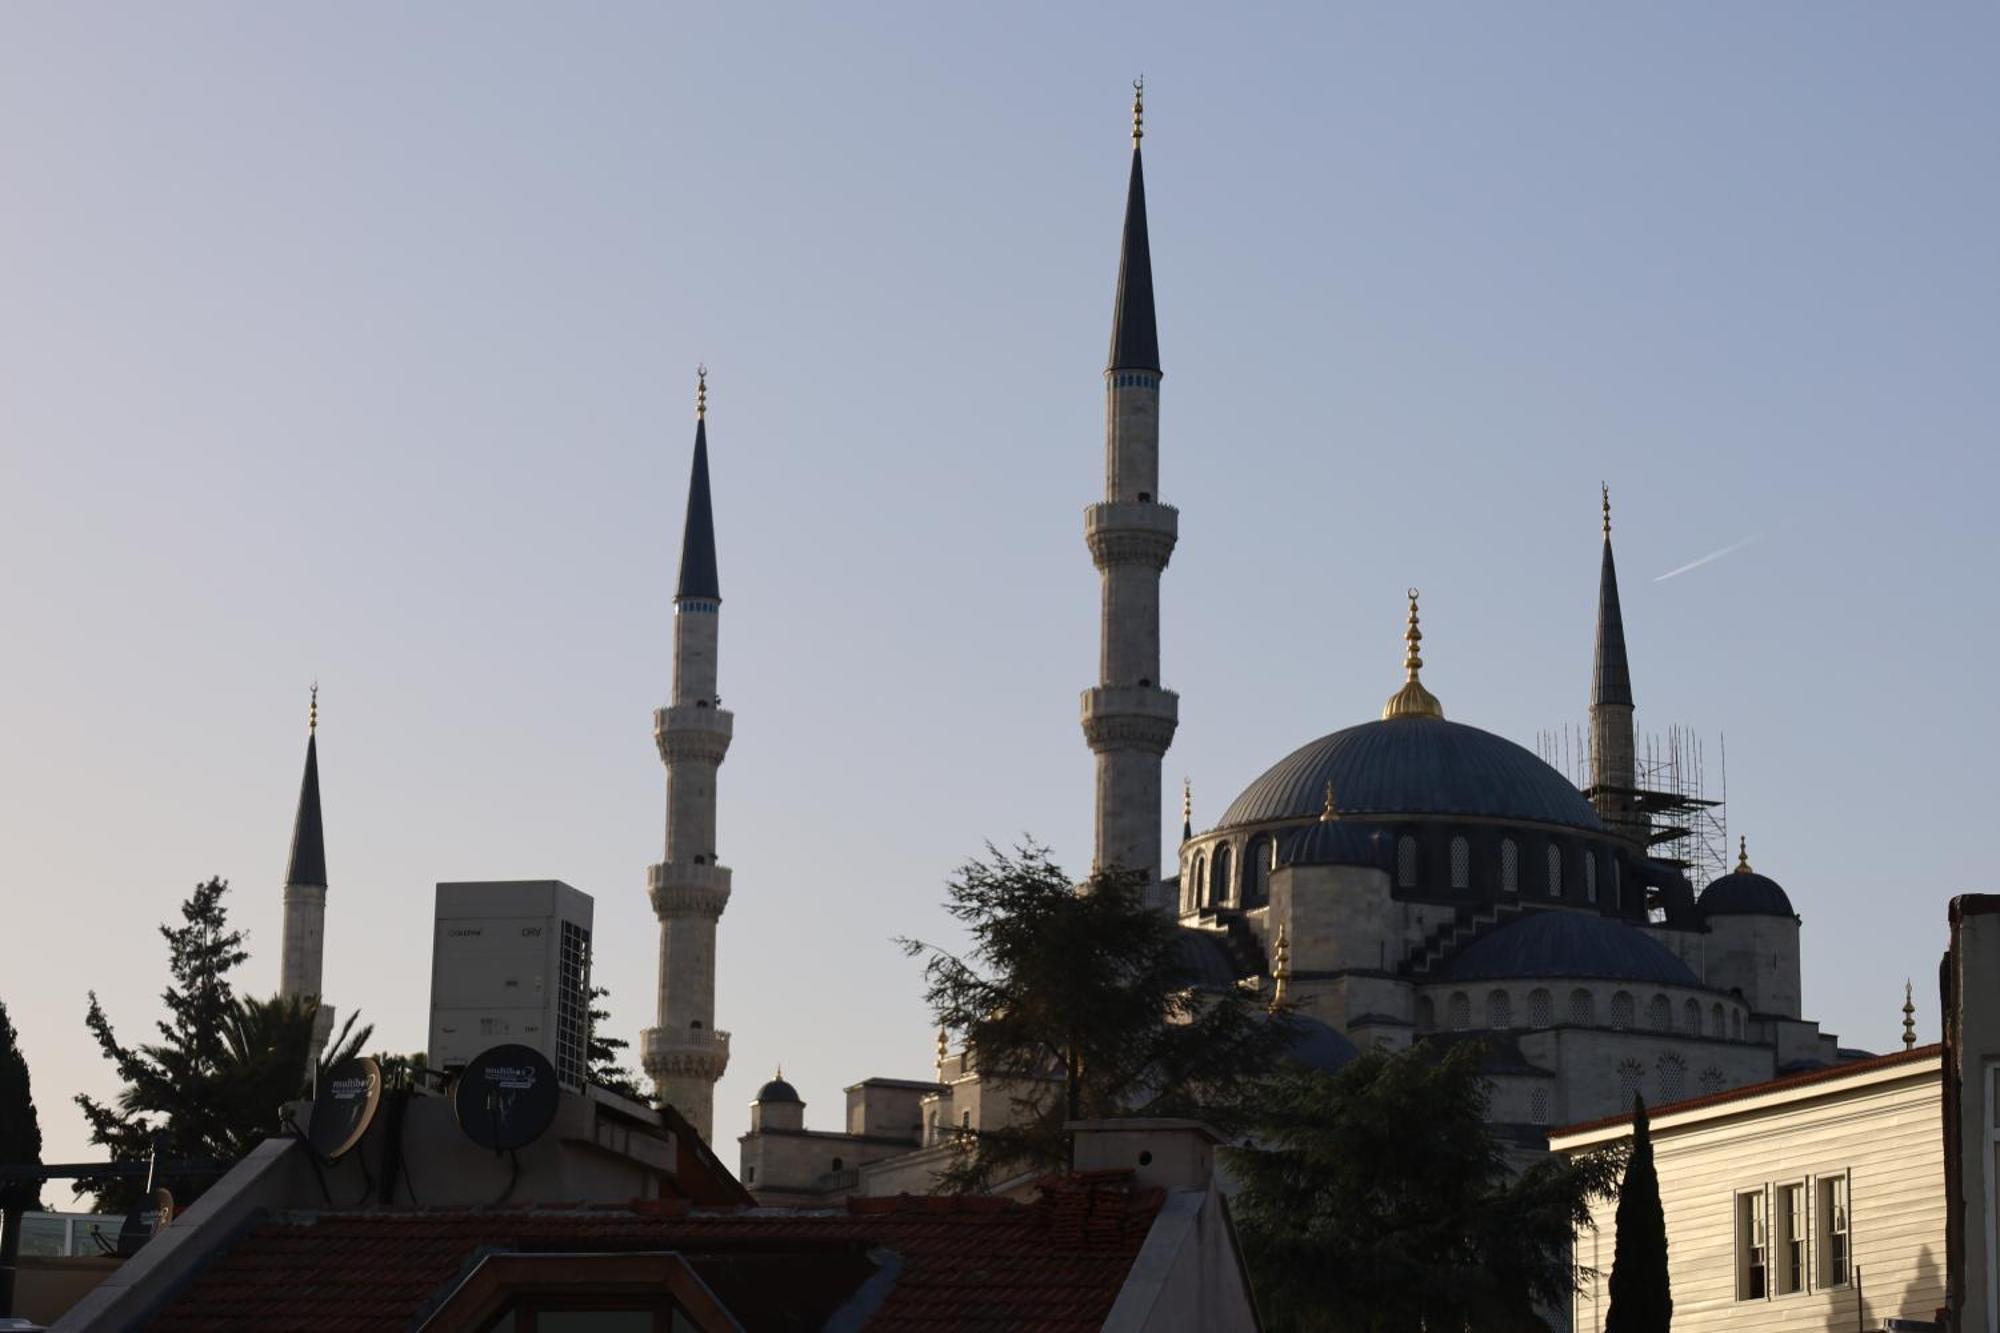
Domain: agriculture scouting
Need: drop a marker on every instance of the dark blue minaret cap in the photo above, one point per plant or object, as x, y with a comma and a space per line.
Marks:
698, 577
1611, 682
308, 865
1135, 336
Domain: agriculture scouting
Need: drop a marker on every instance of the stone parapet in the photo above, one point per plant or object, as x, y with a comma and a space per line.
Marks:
1130, 717
1131, 533
692, 732
699, 1053
682, 888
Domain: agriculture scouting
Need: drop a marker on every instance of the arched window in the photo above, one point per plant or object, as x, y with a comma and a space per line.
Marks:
1499, 1010
1621, 1010
1582, 1009
1257, 870
1510, 866
1659, 1013
1691, 1018
1197, 874
837, 1164
1555, 871
1541, 1008
1629, 1074
1461, 862
1406, 862
1216, 889
1673, 1078
1736, 1025
1716, 1025
1712, 1079
1538, 1107
1458, 1011
1590, 876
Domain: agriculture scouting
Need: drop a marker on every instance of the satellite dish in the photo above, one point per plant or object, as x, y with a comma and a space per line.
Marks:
345, 1107
506, 1097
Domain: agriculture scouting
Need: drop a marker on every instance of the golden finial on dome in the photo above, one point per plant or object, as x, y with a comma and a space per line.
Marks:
1138, 110
312, 712
700, 392
1327, 812
1743, 856
943, 1047
1909, 1019
1605, 486
1281, 967
1413, 700
1187, 799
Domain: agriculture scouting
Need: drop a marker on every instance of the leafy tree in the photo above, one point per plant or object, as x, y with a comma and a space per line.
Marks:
1078, 1005
606, 1055
211, 1087
1377, 1200
20, 1131
1641, 1300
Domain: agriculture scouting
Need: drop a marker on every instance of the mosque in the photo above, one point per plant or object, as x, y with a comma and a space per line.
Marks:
1411, 877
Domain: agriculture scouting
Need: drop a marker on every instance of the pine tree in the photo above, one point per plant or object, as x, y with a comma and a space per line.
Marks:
1080, 1005
20, 1131
606, 1054
1641, 1300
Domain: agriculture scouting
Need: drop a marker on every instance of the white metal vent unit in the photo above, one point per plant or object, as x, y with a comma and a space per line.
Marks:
510, 963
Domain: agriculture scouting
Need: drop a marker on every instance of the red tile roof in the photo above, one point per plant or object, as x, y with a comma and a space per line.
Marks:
1799, 1080
966, 1262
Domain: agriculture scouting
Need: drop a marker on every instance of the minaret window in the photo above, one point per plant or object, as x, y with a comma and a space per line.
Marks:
1582, 1009
1461, 862
1541, 1008
1555, 860
1621, 1010
1510, 866
1499, 1010
1406, 862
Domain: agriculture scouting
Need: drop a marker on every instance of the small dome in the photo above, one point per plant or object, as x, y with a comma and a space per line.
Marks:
1319, 1045
1336, 842
779, 1091
1582, 945
1414, 766
1745, 893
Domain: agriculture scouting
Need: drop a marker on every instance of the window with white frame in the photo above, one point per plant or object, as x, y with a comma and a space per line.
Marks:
1461, 862
1752, 1246
1790, 1247
1834, 1253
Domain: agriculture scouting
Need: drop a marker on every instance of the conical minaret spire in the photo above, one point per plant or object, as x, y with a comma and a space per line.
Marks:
1128, 719
684, 1055
1613, 744
304, 952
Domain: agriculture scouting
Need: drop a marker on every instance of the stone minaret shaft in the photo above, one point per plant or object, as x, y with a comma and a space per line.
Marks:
1613, 744
304, 954
684, 1055
1128, 719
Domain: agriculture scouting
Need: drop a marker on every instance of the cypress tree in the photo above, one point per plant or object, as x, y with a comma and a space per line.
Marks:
1641, 1301
20, 1132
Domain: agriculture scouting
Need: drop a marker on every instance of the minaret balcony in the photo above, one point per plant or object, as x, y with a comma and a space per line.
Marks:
1130, 717
1131, 532
688, 888
701, 1053
693, 732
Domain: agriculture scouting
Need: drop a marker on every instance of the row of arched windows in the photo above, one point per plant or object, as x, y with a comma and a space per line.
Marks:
1498, 1012
1210, 884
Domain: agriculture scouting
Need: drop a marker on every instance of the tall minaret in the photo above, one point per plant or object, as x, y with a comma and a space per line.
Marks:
684, 1055
1128, 719
305, 889
1613, 761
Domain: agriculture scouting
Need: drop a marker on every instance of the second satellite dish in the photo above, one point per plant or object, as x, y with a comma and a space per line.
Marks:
505, 1097
344, 1107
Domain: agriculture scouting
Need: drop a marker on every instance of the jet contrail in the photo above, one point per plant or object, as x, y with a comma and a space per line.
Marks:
1712, 555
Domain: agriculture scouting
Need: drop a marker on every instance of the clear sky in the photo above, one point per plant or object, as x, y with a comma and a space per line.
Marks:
357, 344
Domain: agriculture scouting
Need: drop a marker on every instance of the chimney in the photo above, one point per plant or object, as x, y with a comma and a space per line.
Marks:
1173, 1154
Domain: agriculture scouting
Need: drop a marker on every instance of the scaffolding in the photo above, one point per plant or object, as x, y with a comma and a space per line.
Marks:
1682, 826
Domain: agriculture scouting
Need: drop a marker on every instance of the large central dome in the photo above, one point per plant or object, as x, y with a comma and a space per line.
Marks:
1413, 765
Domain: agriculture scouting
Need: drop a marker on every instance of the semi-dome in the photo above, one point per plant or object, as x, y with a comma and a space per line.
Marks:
1744, 892
1557, 943
1335, 842
1318, 1045
1414, 765
779, 1091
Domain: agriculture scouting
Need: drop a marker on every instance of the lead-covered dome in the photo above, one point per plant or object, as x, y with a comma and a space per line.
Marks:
1414, 765
1744, 892
778, 1092
1556, 943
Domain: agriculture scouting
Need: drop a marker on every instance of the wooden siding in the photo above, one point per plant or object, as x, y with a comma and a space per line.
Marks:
1887, 1137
